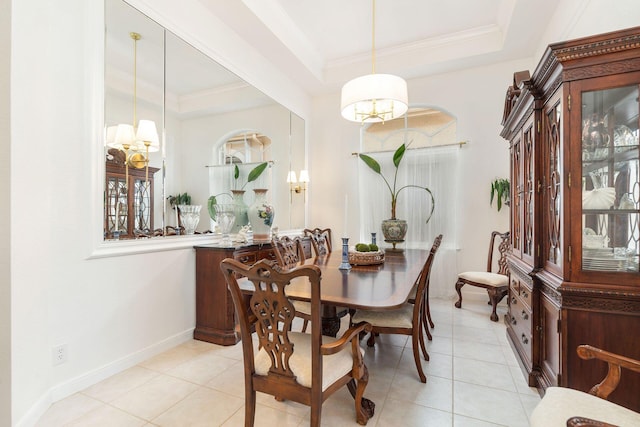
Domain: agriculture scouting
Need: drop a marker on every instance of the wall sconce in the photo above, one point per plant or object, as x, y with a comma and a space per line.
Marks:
296, 185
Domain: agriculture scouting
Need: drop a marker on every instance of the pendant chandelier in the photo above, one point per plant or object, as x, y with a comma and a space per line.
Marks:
132, 138
374, 97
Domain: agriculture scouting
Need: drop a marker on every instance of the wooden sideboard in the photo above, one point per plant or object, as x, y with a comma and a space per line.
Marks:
215, 313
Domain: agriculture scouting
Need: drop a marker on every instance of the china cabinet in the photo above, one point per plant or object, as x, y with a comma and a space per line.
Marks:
573, 129
128, 200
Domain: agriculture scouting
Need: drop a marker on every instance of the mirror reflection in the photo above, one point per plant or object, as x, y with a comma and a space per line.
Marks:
207, 120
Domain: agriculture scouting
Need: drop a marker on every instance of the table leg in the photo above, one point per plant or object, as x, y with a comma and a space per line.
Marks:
330, 320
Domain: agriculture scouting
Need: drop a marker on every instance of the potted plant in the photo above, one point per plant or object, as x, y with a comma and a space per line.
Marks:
395, 229
500, 190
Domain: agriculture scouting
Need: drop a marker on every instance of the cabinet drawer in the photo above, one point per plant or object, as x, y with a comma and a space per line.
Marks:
520, 318
525, 295
268, 254
246, 257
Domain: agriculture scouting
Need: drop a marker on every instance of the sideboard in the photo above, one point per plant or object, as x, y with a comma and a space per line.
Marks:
215, 313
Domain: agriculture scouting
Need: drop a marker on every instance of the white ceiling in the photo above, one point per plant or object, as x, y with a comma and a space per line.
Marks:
324, 43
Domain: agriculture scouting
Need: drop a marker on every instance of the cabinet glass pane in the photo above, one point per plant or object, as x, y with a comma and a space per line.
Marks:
142, 205
610, 180
554, 184
529, 187
116, 206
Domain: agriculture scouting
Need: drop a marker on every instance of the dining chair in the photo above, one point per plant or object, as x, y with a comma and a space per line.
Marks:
302, 367
406, 320
320, 240
289, 254
496, 284
427, 321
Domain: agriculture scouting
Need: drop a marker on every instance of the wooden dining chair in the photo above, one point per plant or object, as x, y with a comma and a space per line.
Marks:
496, 284
320, 240
305, 368
289, 254
427, 321
406, 320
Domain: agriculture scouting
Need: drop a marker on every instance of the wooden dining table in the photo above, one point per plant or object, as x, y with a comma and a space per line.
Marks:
383, 286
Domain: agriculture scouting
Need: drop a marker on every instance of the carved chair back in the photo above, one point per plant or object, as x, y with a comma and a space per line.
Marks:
288, 251
503, 248
320, 239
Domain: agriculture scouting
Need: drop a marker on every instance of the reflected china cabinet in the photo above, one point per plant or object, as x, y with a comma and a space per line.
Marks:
573, 129
123, 198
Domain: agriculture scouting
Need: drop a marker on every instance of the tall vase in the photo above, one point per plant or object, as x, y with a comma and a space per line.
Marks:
261, 215
242, 218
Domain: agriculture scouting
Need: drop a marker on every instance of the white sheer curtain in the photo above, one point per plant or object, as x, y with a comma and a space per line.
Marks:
432, 167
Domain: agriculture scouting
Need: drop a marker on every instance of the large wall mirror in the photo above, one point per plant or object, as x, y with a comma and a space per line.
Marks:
206, 120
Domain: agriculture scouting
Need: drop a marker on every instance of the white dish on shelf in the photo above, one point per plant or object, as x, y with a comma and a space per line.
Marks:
598, 198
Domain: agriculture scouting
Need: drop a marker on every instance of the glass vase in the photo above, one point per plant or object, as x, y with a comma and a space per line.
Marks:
242, 218
261, 214
190, 217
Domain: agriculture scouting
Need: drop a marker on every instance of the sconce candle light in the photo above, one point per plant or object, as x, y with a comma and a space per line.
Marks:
298, 185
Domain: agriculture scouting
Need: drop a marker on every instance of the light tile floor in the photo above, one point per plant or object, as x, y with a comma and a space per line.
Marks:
473, 379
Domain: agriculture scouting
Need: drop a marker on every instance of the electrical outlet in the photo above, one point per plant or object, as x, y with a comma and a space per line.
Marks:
59, 354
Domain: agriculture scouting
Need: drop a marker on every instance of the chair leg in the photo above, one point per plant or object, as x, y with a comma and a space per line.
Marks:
494, 300
459, 285
429, 312
416, 355
316, 413
424, 321
305, 323
362, 413
249, 408
423, 345
372, 340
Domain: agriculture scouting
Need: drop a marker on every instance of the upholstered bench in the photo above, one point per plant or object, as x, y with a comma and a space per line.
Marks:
568, 407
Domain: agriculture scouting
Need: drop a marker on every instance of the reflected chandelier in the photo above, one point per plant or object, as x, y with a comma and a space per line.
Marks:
374, 97
126, 137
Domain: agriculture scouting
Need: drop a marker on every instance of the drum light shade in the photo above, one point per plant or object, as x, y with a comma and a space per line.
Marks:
374, 98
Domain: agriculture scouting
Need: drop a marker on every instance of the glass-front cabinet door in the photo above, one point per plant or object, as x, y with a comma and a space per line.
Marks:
610, 180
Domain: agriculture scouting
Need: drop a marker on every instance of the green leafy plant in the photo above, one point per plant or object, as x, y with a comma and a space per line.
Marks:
394, 190
253, 175
501, 191
180, 199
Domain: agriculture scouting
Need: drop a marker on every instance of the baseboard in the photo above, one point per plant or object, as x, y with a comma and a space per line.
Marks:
79, 383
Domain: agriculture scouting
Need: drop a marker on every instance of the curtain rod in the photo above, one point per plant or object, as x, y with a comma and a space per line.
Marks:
461, 143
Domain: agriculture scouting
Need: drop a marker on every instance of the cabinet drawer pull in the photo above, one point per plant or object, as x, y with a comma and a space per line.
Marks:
525, 315
514, 301
525, 340
525, 294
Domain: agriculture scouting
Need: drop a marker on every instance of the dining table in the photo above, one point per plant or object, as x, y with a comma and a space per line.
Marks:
384, 286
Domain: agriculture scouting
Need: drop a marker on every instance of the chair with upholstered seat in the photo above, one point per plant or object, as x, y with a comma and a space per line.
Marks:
320, 240
305, 368
496, 284
406, 320
562, 406
289, 254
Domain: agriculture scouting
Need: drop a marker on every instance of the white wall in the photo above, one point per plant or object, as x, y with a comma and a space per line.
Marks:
5, 232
